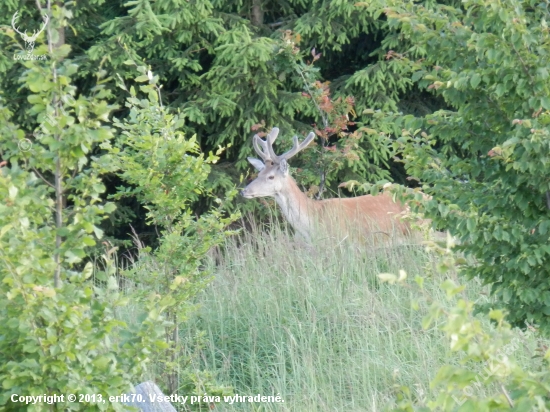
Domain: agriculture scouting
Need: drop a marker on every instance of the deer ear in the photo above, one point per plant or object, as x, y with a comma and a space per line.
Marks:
283, 167
258, 164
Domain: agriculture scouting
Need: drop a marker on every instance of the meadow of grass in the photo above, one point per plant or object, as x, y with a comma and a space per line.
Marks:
315, 325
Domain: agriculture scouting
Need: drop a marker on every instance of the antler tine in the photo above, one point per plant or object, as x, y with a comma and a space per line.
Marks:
298, 147
46, 19
271, 137
13, 19
35, 34
257, 142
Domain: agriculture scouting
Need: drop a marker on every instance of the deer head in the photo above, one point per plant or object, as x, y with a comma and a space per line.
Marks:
29, 40
273, 169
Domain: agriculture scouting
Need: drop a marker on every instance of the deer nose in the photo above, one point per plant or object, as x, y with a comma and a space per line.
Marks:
242, 192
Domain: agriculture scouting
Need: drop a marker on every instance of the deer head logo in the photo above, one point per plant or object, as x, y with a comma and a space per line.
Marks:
29, 40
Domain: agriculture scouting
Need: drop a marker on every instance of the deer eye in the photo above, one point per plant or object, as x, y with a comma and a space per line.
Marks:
271, 177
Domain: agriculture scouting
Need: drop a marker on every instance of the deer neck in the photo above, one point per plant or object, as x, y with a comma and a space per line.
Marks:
298, 209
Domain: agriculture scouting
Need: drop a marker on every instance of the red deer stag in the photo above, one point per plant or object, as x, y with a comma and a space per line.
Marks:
362, 214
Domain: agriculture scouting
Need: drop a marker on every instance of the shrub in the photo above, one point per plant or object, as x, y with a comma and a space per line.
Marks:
484, 157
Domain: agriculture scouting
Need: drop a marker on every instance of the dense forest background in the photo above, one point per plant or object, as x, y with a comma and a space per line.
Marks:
235, 68
124, 133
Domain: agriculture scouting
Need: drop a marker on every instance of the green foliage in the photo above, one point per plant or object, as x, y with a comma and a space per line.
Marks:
490, 375
166, 172
227, 74
63, 333
485, 156
60, 333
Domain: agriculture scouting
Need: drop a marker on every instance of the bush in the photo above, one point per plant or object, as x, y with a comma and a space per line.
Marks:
166, 173
63, 332
484, 157
59, 334
491, 375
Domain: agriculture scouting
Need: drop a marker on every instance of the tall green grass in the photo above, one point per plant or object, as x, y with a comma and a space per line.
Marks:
314, 324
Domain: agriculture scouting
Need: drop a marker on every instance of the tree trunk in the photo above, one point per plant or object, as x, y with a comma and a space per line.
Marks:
60, 202
257, 13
